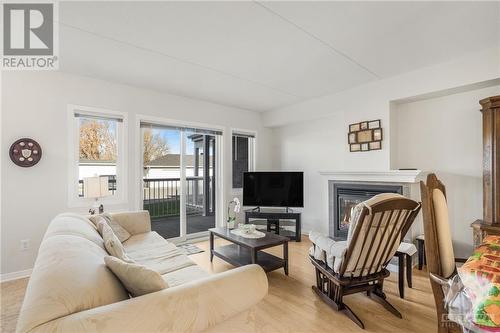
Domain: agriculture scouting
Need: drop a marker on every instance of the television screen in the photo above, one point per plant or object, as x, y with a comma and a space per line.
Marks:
273, 189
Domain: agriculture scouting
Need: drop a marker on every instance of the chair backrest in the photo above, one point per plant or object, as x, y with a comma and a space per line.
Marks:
377, 234
438, 243
437, 228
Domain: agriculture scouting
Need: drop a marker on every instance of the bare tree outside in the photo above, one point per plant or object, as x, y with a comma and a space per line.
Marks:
155, 146
97, 140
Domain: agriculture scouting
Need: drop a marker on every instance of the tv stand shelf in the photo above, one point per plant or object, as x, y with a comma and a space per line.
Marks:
275, 221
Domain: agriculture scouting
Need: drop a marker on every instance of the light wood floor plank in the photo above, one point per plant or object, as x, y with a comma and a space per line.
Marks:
291, 305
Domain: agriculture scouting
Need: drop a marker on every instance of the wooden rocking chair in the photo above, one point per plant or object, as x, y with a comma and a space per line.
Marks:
376, 235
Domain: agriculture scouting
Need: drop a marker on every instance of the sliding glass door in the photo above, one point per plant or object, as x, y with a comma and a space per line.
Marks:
162, 179
179, 179
200, 194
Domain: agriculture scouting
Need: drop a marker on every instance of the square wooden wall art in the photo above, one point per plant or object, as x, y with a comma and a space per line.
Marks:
365, 136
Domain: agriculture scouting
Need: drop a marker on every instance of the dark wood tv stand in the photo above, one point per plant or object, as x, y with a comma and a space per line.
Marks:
276, 221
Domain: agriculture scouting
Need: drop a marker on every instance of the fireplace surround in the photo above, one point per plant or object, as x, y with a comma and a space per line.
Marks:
343, 196
363, 185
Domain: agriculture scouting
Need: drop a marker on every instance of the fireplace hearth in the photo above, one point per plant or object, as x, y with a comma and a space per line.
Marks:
343, 196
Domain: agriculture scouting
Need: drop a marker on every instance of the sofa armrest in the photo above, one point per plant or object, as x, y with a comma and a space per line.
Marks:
137, 222
191, 307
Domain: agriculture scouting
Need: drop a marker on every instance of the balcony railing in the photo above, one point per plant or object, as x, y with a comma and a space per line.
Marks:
162, 196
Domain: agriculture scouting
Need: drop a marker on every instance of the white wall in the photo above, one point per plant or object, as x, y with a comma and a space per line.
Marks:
312, 136
34, 104
444, 135
311, 147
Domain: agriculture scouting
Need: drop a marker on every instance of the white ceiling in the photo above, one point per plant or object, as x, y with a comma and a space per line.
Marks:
265, 55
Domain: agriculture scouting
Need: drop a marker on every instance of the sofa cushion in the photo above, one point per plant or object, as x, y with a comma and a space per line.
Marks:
139, 280
76, 225
154, 252
144, 241
118, 230
184, 275
327, 250
69, 276
136, 222
112, 243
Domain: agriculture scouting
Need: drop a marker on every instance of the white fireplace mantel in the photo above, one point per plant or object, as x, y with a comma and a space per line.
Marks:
393, 176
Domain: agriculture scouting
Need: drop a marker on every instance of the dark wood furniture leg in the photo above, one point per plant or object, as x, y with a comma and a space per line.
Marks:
409, 267
253, 254
285, 257
298, 229
421, 253
338, 305
401, 272
378, 295
211, 246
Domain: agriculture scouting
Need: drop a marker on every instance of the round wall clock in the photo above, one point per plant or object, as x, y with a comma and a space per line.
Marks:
25, 152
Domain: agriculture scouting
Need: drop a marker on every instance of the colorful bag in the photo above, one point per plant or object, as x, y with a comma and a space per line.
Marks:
481, 278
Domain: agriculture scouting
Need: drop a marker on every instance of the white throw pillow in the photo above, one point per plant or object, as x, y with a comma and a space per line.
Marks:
119, 231
112, 243
137, 279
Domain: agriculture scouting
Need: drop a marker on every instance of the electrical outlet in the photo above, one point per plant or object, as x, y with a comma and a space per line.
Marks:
25, 244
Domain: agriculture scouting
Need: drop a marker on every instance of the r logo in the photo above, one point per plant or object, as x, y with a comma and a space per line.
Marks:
28, 29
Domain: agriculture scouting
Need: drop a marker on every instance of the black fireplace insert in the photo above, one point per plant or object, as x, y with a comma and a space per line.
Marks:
344, 196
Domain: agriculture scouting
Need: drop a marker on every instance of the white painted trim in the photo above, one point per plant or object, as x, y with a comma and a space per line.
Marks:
220, 186
121, 194
183, 214
15, 275
182, 123
396, 176
138, 174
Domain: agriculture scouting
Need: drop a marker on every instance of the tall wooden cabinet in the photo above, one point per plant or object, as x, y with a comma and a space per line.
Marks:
490, 223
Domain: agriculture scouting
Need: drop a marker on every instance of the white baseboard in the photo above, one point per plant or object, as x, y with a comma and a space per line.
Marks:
15, 275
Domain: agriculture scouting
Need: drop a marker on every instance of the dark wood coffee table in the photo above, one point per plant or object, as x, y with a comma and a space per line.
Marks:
245, 251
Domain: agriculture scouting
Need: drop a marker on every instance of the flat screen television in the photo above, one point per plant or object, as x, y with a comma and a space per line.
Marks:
273, 189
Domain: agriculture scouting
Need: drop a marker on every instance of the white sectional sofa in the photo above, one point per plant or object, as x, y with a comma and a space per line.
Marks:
72, 290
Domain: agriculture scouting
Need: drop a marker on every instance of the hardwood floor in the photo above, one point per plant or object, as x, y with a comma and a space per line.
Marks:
291, 305
12, 295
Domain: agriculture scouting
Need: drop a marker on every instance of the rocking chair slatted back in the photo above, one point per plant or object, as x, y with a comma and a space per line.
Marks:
377, 236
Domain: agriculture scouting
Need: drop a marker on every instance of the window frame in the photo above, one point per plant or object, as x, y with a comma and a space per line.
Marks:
121, 193
220, 185
252, 159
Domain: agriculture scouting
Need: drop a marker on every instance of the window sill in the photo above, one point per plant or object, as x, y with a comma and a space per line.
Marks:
82, 202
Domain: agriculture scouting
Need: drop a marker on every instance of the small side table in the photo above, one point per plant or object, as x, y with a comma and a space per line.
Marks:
404, 254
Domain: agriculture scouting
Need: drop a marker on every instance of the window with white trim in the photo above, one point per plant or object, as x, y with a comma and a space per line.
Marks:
98, 163
242, 156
